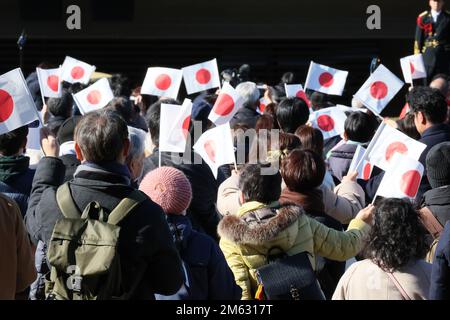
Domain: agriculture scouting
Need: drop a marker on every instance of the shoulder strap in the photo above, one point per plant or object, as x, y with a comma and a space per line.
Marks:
430, 222
126, 206
399, 286
65, 202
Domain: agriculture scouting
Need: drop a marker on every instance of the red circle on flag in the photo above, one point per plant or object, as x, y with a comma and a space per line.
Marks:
185, 125
326, 79
210, 148
77, 72
94, 97
203, 76
395, 147
6, 105
367, 171
378, 90
302, 95
53, 83
224, 104
262, 107
411, 65
410, 183
163, 81
325, 122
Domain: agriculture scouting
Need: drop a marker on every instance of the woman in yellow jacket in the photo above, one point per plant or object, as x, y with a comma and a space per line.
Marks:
262, 224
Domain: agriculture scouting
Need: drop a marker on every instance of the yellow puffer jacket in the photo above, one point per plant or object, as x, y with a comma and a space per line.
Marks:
247, 238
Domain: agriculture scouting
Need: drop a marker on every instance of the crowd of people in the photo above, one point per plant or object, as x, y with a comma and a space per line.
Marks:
180, 233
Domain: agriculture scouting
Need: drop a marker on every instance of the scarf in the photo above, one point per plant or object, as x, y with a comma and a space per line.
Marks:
11, 166
311, 201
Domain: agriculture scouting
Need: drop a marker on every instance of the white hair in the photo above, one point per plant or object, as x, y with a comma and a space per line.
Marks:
137, 142
249, 92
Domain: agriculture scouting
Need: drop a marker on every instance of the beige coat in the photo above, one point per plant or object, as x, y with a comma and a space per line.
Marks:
364, 280
343, 204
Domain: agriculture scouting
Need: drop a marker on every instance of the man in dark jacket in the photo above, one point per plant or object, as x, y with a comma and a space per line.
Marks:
60, 109
247, 114
102, 144
15, 175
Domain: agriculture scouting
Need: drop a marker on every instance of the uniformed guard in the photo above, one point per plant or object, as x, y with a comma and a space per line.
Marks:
433, 38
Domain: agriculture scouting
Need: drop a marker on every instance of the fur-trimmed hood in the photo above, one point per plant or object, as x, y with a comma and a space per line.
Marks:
260, 225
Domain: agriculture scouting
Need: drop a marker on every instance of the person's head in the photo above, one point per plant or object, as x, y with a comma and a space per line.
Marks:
67, 129
61, 107
358, 127
254, 186
169, 188
265, 121
101, 136
291, 114
436, 5
288, 78
310, 138
136, 155
429, 107
440, 82
397, 236
303, 170
408, 127
120, 85
152, 118
319, 100
438, 165
14, 142
250, 94
122, 106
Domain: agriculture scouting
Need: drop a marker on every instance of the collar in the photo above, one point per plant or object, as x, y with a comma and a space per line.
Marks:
106, 168
435, 15
436, 128
255, 205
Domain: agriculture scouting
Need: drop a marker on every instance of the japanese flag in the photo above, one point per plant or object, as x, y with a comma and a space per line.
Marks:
227, 104
402, 179
263, 103
174, 126
359, 164
17, 107
413, 68
201, 77
94, 97
325, 79
296, 90
49, 82
162, 82
386, 142
215, 146
74, 70
379, 89
329, 120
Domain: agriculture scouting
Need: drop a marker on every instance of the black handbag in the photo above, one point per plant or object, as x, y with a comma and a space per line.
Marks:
289, 278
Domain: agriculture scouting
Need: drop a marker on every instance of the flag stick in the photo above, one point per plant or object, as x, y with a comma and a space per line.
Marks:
235, 166
159, 158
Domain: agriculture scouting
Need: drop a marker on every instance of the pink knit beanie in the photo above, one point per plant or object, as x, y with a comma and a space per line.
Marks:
169, 188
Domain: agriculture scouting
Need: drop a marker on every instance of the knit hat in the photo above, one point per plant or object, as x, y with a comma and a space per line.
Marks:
438, 165
169, 188
67, 129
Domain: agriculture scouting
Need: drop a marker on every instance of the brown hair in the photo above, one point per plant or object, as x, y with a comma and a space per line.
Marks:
311, 138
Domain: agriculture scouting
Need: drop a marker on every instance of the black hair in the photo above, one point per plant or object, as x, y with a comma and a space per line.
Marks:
11, 142
123, 106
430, 102
61, 107
408, 127
292, 113
359, 127
259, 187
120, 85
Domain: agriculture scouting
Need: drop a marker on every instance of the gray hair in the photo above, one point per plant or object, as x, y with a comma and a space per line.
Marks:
137, 142
249, 92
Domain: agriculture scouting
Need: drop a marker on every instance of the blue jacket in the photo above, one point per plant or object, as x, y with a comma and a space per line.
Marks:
19, 189
440, 276
207, 275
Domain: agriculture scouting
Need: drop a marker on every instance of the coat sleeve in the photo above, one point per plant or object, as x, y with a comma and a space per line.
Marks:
345, 202
239, 268
440, 275
338, 245
419, 37
228, 196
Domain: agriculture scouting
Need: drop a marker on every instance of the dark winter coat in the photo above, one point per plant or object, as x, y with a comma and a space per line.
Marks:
440, 275
246, 115
340, 160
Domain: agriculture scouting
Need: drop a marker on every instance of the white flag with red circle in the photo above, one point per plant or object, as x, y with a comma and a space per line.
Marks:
402, 179
360, 165
325, 79
413, 67
379, 89
386, 142
201, 76
49, 82
329, 120
227, 104
215, 146
162, 82
17, 106
94, 97
174, 126
263, 103
296, 91
74, 70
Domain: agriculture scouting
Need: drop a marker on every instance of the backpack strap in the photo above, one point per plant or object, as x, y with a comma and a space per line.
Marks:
66, 203
126, 206
399, 287
430, 222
